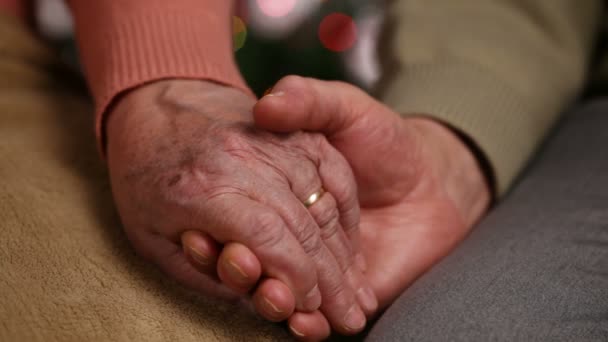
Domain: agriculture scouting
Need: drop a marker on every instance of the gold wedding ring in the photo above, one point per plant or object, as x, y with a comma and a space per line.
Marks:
314, 198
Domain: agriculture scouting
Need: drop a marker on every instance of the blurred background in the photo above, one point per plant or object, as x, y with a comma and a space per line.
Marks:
327, 39
331, 39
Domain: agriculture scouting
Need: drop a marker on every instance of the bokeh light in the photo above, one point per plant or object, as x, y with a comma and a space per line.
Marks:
276, 8
239, 33
338, 32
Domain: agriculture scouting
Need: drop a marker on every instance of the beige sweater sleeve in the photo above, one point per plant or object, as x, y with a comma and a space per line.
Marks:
500, 71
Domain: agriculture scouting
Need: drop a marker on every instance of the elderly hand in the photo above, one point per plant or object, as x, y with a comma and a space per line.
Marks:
188, 169
420, 187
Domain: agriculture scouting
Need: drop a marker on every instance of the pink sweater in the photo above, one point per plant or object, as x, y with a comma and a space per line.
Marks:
15, 7
126, 43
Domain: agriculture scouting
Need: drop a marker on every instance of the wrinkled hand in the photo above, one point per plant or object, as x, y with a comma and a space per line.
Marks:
420, 188
196, 186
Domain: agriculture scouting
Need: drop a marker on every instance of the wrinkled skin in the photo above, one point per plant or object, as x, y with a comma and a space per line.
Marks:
217, 203
420, 187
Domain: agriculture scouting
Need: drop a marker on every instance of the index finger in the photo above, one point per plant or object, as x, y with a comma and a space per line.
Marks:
235, 218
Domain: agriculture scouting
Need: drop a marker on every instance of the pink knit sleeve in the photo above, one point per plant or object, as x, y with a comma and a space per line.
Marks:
126, 43
16, 8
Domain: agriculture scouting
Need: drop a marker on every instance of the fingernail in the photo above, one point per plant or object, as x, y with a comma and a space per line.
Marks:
199, 257
367, 299
313, 299
271, 306
277, 94
360, 260
296, 332
236, 272
354, 319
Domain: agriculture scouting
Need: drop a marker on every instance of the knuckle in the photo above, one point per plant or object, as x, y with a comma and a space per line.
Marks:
344, 192
336, 291
305, 146
267, 230
310, 241
307, 92
234, 141
329, 223
326, 213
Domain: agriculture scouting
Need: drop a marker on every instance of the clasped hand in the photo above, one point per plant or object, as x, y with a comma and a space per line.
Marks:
208, 193
218, 204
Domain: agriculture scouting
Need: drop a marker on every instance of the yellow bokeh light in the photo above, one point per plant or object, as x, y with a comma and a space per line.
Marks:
239, 33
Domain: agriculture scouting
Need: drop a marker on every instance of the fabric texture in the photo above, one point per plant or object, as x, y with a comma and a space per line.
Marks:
68, 271
125, 43
536, 269
498, 71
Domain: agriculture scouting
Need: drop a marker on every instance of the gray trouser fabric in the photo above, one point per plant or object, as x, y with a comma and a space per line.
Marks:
536, 269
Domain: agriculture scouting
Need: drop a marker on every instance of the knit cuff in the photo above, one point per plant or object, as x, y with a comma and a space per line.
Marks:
125, 43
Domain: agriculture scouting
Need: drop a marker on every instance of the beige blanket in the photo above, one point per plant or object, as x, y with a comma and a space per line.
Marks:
67, 273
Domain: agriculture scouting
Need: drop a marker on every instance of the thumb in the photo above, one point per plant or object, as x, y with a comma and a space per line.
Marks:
297, 103
330, 108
